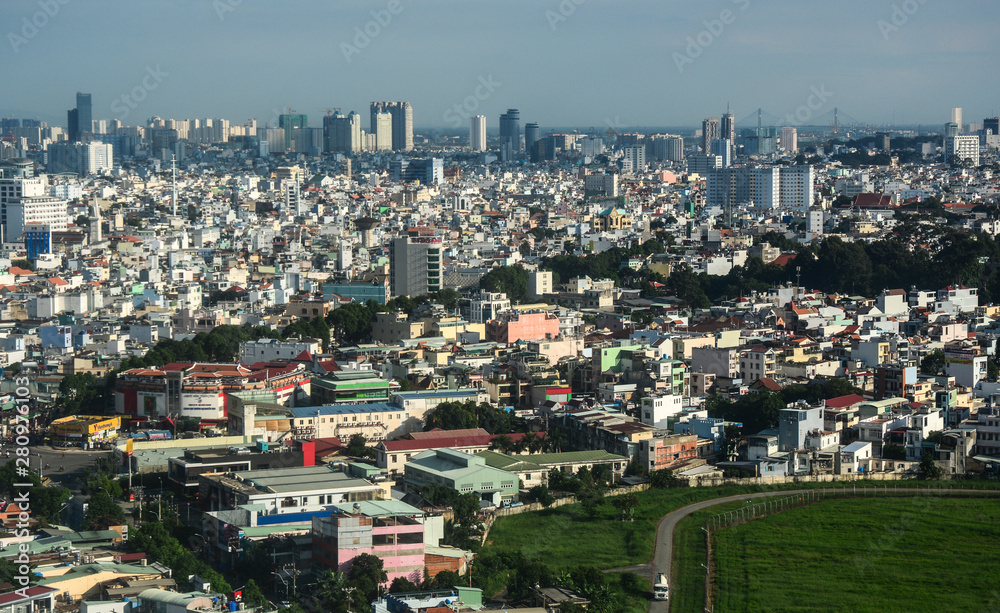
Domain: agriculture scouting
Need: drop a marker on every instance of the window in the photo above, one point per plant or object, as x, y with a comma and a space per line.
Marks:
394, 457
382, 540
409, 538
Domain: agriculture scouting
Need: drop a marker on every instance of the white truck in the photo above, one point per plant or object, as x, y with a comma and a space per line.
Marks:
660, 588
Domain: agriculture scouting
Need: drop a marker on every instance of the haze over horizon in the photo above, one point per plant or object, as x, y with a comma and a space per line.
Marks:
570, 63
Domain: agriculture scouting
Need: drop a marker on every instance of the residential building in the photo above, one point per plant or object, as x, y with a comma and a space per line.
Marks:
795, 423
512, 326
719, 362
397, 540
758, 362
462, 472
668, 452
281, 491
658, 411
962, 147
415, 265
400, 125
272, 350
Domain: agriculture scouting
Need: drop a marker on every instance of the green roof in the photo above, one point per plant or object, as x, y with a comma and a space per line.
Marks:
572, 457
93, 535
252, 531
508, 463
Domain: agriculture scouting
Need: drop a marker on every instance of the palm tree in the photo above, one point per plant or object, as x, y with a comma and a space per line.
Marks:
333, 592
502, 443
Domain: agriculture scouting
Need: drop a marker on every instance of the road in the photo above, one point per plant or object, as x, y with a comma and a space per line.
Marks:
663, 554
73, 460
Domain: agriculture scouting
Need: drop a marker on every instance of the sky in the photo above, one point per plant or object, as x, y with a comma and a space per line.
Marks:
625, 64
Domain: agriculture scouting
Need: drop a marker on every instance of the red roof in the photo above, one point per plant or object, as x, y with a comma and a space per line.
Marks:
31, 592
784, 259
842, 402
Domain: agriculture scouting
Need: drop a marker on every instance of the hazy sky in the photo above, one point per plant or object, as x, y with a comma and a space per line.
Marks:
570, 63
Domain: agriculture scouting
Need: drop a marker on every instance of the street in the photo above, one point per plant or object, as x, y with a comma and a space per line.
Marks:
73, 460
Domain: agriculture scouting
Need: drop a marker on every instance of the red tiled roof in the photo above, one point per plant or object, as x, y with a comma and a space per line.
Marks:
841, 402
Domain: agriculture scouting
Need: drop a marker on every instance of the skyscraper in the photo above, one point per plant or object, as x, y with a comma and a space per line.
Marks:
400, 126
992, 124
477, 133
728, 127
510, 133
80, 119
382, 129
956, 117
951, 129
532, 133
789, 139
292, 124
342, 133
709, 132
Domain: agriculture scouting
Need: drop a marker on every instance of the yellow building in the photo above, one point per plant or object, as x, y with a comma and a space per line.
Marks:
86, 428
612, 219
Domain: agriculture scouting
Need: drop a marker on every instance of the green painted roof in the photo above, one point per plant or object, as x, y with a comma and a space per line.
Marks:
508, 463
567, 457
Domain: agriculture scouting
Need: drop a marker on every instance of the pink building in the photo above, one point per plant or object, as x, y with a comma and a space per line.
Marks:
511, 327
397, 540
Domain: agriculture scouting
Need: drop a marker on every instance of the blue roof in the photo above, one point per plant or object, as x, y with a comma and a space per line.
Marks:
345, 409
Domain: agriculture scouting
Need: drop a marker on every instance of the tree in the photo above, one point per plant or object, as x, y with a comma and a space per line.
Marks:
992, 370
367, 575
665, 478
933, 363
540, 493
635, 468
402, 584
502, 443
253, 595
333, 592
449, 298
928, 469
591, 502
626, 504
357, 446
511, 280
102, 511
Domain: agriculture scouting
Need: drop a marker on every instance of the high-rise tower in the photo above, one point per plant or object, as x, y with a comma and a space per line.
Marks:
709, 132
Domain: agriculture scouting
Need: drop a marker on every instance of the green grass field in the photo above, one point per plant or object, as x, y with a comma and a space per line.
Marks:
877, 555
564, 537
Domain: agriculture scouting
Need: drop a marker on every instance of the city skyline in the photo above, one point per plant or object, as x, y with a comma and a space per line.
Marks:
688, 61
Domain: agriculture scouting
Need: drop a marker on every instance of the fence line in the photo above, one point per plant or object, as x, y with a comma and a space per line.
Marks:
771, 505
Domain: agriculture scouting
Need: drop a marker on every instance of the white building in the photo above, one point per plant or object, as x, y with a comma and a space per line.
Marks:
656, 411
271, 350
484, 306
789, 139
477, 132
962, 147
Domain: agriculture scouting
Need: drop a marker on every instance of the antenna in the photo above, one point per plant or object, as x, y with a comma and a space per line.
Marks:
173, 191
